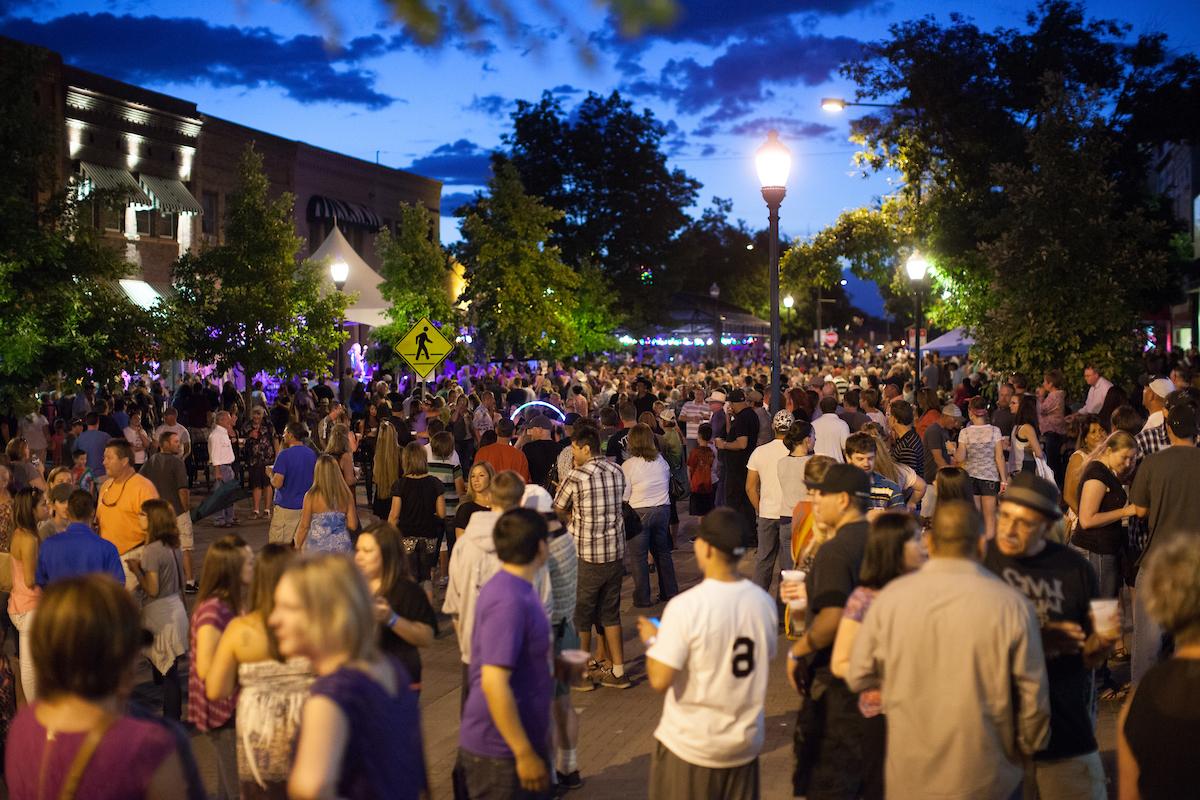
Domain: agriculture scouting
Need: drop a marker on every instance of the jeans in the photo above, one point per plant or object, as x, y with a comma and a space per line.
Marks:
24, 625
655, 539
1107, 572
224, 475
1147, 636
774, 541
483, 778
1052, 443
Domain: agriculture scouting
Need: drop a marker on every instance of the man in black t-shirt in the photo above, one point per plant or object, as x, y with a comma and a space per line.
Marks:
540, 449
1061, 585
740, 439
828, 734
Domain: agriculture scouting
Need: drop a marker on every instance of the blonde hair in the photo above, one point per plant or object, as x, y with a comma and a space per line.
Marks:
469, 496
387, 459
329, 483
414, 459
884, 464
339, 606
339, 439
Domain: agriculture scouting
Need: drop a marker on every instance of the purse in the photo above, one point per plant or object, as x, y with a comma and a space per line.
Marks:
633, 523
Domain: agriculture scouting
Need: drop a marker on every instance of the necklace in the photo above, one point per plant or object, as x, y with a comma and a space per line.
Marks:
108, 489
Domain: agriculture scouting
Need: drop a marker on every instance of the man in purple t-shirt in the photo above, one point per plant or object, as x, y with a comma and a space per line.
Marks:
504, 738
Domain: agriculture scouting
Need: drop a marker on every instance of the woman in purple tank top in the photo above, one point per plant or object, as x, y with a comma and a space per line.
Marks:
360, 730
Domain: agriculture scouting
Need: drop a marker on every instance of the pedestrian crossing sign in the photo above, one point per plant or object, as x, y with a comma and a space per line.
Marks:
424, 347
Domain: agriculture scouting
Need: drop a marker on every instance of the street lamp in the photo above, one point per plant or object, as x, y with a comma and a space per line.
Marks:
773, 162
916, 266
714, 292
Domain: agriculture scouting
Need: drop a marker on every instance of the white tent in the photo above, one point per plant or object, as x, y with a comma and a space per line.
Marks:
369, 308
952, 343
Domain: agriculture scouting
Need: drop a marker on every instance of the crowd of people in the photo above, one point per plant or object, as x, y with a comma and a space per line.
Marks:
956, 565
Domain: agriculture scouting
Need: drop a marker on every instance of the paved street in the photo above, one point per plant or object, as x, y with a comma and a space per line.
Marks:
617, 726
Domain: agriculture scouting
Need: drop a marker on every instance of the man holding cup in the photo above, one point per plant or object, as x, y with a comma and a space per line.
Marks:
1079, 631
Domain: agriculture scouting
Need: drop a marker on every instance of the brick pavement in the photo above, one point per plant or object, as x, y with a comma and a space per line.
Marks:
617, 726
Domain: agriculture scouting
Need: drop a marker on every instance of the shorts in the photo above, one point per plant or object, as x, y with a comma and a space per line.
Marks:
284, 522
672, 778
598, 596
983, 488
420, 553
565, 638
184, 523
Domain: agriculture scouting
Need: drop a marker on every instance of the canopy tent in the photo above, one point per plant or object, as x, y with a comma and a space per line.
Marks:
369, 308
952, 343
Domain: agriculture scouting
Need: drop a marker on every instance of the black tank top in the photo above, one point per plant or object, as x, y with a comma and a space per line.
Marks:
1163, 729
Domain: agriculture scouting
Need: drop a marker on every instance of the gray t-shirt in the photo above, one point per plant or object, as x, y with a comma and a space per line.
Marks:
169, 475
164, 561
1165, 484
935, 441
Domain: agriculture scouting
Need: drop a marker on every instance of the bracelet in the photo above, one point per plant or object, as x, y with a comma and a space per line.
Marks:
392, 620
791, 655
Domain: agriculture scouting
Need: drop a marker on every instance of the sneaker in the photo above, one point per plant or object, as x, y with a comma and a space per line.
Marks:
569, 781
191, 587
610, 680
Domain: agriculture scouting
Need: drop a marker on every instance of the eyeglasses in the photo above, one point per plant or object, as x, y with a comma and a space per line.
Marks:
1020, 523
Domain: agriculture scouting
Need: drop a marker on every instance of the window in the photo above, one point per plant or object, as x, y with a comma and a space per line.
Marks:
166, 225
109, 217
209, 219
144, 222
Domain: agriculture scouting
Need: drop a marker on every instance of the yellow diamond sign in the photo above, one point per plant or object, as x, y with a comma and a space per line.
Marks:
424, 347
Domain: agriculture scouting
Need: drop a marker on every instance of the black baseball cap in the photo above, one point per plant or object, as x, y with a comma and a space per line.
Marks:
737, 396
843, 478
725, 530
1181, 421
1028, 489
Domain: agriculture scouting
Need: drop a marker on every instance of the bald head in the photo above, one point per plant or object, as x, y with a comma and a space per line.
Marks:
957, 530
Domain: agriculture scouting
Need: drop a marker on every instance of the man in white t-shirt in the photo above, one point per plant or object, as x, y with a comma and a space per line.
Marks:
830, 431
766, 495
711, 656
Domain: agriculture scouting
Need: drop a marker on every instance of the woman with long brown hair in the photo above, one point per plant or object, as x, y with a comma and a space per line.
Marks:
159, 573
268, 689
228, 570
329, 511
30, 509
418, 508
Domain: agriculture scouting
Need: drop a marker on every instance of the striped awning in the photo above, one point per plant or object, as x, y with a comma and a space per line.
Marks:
111, 179
322, 207
169, 195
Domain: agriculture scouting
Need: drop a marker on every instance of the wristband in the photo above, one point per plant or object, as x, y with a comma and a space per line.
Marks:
791, 656
393, 619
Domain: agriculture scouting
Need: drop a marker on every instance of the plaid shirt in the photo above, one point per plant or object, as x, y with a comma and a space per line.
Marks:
1151, 440
593, 494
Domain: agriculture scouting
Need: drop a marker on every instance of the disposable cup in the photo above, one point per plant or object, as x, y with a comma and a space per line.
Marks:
1106, 616
794, 576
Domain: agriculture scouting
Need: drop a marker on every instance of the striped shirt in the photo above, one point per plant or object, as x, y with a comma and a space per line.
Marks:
447, 473
592, 494
207, 714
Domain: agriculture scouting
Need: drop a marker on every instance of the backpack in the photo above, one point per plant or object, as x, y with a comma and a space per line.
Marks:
700, 472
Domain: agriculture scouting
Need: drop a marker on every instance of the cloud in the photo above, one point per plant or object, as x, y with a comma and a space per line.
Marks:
564, 89
463, 163
149, 50
493, 105
741, 77
454, 201
716, 21
788, 128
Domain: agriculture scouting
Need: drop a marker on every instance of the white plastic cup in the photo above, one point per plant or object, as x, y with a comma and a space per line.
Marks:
1106, 616
795, 576
576, 662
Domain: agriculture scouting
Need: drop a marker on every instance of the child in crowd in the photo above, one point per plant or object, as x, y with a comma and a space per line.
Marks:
81, 474
702, 472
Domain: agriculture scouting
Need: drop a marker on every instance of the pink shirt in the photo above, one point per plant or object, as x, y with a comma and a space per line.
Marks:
23, 598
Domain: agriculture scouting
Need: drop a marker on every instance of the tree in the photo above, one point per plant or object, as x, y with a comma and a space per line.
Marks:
520, 292
965, 100
64, 314
711, 249
248, 303
415, 272
603, 166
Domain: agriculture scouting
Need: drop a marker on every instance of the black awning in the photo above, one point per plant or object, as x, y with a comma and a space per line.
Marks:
322, 207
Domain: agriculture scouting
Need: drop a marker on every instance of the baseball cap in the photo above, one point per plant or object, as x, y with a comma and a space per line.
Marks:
737, 396
540, 421
716, 397
537, 498
667, 415
1162, 387
782, 420
843, 478
1028, 489
724, 529
951, 410
1181, 421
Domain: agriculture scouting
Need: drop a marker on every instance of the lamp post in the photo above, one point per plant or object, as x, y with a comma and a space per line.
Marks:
339, 271
773, 162
714, 292
916, 266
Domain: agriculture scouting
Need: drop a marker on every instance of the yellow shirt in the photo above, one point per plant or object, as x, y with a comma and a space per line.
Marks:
118, 510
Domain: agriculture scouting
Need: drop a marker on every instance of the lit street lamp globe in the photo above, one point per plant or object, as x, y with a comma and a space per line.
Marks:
339, 271
773, 162
916, 266
789, 301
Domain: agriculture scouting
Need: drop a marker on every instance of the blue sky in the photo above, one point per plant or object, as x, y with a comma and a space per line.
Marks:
355, 83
